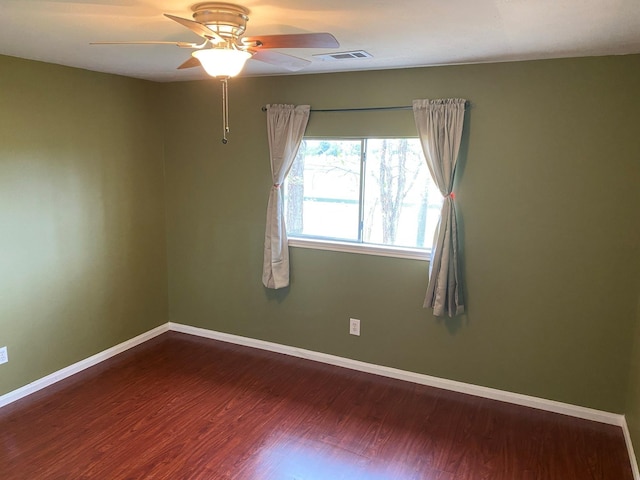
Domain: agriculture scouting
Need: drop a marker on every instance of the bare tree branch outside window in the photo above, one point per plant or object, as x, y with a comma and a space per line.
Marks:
324, 191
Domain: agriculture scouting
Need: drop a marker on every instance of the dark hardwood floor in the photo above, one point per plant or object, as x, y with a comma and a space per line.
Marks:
182, 407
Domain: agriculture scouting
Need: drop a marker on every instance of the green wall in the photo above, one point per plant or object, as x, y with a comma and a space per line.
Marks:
549, 201
82, 241
547, 191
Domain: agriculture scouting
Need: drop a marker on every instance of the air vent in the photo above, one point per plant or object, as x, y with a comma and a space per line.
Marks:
354, 55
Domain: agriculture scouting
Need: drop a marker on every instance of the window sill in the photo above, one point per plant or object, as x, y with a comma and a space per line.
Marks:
366, 249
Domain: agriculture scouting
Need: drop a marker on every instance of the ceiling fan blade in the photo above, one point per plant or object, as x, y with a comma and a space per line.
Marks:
295, 40
190, 63
153, 42
197, 28
280, 59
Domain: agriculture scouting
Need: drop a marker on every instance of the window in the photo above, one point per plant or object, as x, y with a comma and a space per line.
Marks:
363, 192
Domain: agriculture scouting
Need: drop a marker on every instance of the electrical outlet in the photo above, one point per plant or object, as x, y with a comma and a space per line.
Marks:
4, 355
354, 326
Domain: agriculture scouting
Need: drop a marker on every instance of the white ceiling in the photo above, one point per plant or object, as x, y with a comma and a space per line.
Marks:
401, 33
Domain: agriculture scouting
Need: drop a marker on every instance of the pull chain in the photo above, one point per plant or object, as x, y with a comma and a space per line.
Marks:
225, 110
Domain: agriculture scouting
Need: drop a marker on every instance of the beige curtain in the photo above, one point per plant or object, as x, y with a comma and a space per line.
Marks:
285, 127
439, 124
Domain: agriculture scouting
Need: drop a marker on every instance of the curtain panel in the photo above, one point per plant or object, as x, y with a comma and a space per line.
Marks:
439, 124
285, 128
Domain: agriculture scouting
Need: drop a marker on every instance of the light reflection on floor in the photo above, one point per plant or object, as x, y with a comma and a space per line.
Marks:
301, 459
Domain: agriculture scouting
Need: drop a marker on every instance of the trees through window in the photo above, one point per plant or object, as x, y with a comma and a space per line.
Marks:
369, 191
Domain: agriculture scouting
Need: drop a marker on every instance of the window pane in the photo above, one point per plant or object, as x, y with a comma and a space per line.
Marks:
401, 202
322, 190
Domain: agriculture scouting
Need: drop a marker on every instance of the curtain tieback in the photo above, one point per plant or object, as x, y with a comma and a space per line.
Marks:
452, 196
276, 185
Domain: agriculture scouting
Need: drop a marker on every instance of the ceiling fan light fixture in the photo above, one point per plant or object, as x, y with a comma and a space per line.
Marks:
222, 62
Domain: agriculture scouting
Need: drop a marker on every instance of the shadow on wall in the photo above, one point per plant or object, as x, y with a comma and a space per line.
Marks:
279, 295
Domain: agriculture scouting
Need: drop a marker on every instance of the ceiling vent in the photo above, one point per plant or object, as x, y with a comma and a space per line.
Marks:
353, 55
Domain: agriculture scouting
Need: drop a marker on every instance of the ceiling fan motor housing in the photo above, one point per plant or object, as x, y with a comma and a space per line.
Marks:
226, 19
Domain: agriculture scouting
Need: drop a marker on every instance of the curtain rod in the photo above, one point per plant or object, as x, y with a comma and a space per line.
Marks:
362, 109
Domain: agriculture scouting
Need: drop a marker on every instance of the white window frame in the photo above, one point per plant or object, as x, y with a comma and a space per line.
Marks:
318, 243
361, 248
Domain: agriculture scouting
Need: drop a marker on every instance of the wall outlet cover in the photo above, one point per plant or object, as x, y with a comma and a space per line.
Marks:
354, 326
4, 355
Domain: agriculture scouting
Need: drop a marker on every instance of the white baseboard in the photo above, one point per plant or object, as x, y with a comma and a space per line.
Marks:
79, 366
632, 455
470, 389
476, 390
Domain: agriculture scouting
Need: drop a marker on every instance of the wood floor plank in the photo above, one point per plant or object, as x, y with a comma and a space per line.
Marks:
182, 407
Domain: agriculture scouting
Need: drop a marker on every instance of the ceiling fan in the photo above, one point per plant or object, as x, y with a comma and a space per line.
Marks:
224, 51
